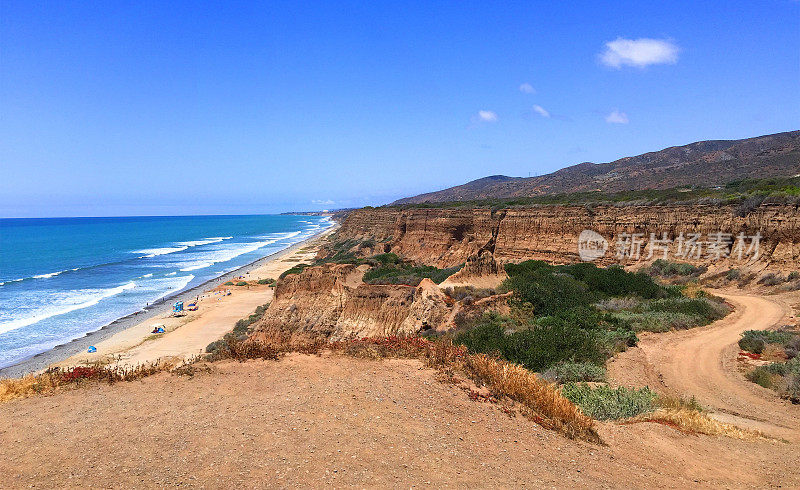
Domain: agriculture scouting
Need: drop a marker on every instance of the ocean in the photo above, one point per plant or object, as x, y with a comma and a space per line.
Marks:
61, 278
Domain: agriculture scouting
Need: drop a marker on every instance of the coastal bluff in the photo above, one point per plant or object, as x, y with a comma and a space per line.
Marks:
446, 237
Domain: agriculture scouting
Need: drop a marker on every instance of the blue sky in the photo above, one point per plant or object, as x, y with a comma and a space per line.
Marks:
226, 108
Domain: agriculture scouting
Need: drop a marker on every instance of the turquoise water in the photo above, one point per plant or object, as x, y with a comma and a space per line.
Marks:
61, 278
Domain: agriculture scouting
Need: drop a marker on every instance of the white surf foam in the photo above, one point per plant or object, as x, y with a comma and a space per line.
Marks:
153, 252
224, 255
49, 275
205, 241
81, 299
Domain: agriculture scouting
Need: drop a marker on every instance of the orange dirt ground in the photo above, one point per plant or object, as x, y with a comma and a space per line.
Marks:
314, 421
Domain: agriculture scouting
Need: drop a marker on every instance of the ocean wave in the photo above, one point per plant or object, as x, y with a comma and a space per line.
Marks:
224, 255
82, 299
205, 241
49, 275
153, 252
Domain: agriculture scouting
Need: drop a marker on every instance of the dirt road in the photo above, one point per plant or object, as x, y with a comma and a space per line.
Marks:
702, 362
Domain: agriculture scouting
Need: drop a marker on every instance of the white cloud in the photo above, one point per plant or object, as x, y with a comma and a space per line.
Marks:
487, 116
541, 111
325, 202
639, 52
527, 88
617, 117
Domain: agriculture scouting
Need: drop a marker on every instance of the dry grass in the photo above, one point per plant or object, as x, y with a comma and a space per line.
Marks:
56, 378
694, 422
686, 415
550, 409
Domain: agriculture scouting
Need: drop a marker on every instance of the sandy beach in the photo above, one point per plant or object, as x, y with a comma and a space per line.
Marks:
129, 341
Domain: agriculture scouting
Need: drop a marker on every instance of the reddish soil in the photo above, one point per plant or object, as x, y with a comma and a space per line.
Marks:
313, 421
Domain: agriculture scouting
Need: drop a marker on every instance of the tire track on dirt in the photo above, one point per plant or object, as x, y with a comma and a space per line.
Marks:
702, 362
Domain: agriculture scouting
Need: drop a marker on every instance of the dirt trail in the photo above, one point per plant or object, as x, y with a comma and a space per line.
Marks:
702, 362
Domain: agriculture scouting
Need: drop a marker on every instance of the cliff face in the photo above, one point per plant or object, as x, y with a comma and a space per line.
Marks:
446, 237
332, 302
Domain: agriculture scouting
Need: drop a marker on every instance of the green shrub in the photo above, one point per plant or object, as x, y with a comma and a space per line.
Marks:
294, 270
733, 274
488, 337
385, 259
605, 403
549, 293
241, 283
229, 283
549, 341
755, 340
665, 268
573, 372
771, 279
752, 344
403, 273
554, 288
266, 281
761, 376
666, 314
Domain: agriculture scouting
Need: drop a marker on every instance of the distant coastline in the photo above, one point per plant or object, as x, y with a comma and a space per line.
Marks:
60, 352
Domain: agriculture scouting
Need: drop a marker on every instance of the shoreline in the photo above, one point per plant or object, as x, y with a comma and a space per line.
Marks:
62, 352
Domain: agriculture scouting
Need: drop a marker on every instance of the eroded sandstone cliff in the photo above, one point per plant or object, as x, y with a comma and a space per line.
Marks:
446, 237
331, 302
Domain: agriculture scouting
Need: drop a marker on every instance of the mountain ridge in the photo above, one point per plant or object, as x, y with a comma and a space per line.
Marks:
700, 164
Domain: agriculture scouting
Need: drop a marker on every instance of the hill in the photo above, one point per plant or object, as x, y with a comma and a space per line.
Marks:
701, 164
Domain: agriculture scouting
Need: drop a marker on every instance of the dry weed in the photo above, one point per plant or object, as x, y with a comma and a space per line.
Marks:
694, 422
550, 409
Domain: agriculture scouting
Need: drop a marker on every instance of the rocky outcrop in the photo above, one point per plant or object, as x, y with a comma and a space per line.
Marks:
446, 237
331, 302
480, 271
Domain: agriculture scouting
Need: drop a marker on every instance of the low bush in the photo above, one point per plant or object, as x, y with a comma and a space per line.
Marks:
552, 289
241, 283
294, 270
606, 403
675, 313
266, 281
761, 376
771, 279
665, 268
783, 377
755, 340
404, 273
229, 283
733, 274
547, 342
468, 294
573, 372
